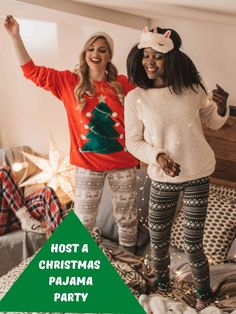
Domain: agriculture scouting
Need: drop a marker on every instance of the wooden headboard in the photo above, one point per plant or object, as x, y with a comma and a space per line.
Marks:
223, 142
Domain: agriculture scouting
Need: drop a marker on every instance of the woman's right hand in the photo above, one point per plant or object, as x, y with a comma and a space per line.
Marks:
12, 26
168, 165
13, 30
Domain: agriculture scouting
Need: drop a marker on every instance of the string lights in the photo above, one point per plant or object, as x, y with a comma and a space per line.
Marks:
209, 103
188, 290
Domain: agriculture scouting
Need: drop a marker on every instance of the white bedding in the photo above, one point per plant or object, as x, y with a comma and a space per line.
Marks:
155, 304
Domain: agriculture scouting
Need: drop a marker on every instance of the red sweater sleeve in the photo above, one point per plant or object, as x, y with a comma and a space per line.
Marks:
49, 79
126, 84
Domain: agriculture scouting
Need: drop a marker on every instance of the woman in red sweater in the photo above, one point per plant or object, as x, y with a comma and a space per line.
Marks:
93, 99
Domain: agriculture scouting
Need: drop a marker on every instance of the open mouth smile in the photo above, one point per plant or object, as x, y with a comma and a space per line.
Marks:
151, 70
95, 60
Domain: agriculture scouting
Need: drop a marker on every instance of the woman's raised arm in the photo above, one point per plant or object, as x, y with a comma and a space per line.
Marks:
13, 29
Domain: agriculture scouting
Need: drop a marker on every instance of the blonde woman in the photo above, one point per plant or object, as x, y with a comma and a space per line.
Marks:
92, 97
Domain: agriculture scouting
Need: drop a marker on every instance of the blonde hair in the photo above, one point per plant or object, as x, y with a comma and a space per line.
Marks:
85, 85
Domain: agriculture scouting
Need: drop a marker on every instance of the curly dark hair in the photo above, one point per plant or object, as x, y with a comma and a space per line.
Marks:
180, 71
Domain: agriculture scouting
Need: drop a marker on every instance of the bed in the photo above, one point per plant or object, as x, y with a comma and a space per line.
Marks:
219, 241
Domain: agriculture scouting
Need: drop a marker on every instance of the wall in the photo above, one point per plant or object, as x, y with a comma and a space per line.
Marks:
94, 12
29, 115
210, 41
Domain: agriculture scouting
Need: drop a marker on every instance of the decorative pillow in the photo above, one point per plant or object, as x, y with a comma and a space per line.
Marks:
231, 255
228, 192
10, 155
220, 227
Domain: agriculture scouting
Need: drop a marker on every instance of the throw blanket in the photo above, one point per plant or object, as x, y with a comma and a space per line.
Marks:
140, 277
154, 304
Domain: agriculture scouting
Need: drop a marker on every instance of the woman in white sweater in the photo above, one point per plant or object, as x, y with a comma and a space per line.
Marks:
163, 120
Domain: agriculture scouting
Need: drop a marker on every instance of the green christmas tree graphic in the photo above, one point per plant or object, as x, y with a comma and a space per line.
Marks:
102, 135
70, 274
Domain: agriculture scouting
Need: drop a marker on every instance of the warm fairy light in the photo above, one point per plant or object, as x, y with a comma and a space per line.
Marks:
210, 260
142, 190
18, 166
208, 103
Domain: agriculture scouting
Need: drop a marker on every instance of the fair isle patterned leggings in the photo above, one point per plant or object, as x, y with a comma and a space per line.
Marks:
162, 208
88, 191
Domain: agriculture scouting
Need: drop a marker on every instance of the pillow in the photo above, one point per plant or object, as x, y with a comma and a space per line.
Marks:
231, 255
224, 191
220, 227
10, 155
105, 219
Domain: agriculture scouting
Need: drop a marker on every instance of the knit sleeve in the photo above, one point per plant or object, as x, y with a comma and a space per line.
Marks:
48, 78
134, 130
209, 115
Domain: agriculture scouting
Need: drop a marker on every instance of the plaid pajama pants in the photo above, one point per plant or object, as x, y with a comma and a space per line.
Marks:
42, 204
89, 186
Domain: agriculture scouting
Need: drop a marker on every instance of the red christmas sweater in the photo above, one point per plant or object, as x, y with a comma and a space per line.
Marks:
97, 139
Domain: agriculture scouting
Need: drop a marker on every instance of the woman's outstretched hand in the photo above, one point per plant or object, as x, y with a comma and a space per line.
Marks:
13, 29
219, 96
12, 26
170, 167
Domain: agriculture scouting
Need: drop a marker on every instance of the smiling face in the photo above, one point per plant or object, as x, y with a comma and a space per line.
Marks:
153, 63
98, 55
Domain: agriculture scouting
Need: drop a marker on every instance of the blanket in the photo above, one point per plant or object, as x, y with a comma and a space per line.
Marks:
140, 277
155, 304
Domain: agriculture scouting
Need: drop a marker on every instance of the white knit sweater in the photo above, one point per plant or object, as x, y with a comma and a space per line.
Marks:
159, 121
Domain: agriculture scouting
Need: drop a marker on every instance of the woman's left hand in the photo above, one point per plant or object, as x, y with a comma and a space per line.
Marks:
219, 96
168, 165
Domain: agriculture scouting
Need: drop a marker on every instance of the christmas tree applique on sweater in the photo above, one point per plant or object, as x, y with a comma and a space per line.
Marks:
102, 136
